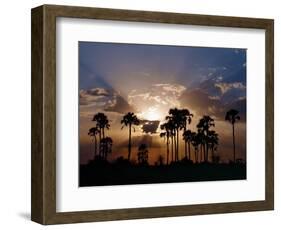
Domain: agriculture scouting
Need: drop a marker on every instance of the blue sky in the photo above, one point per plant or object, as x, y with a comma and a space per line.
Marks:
188, 65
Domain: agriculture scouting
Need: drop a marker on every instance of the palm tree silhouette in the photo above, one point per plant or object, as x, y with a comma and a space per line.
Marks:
102, 123
195, 141
202, 141
213, 141
173, 139
186, 118
143, 154
204, 126
130, 119
232, 116
167, 134
106, 145
93, 133
187, 137
170, 128
176, 118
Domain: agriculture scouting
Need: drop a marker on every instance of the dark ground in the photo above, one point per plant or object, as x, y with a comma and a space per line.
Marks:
122, 173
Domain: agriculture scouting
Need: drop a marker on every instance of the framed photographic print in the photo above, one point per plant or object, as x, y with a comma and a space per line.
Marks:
141, 114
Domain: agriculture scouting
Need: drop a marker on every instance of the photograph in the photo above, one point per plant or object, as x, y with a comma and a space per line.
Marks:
161, 113
149, 114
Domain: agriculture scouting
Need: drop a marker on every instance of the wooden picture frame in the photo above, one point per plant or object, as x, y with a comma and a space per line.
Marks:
43, 208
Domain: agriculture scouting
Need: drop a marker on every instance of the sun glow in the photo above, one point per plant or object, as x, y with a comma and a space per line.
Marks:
152, 114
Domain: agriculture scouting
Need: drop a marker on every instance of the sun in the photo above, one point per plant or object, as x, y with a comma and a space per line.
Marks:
152, 114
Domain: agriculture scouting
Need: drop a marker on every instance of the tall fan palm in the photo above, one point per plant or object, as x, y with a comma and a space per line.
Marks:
232, 116
106, 145
143, 154
176, 118
202, 140
167, 134
172, 133
204, 125
102, 123
187, 137
173, 139
130, 120
186, 117
213, 140
93, 132
195, 141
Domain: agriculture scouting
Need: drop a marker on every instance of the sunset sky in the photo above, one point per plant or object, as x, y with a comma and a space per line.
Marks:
149, 80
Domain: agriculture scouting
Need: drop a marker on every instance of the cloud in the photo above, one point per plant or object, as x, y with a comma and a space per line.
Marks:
215, 74
161, 96
104, 99
99, 92
199, 102
225, 87
173, 88
224, 82
95, 96
119, 105
149, 126
214, 97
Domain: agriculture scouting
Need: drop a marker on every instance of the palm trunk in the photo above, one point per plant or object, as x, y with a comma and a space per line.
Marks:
177, 144
103, 149
95, 146
172, 147
234, 157
185, 146
106, 151
100, 143
91, 148
213, 155
189, 153
207, 152
207, 147
201, 151
167, 151
185, 150
105, 146
129, 145
196, 154
204, 152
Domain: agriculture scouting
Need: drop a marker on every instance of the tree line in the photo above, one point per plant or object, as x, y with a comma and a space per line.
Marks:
175, 128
